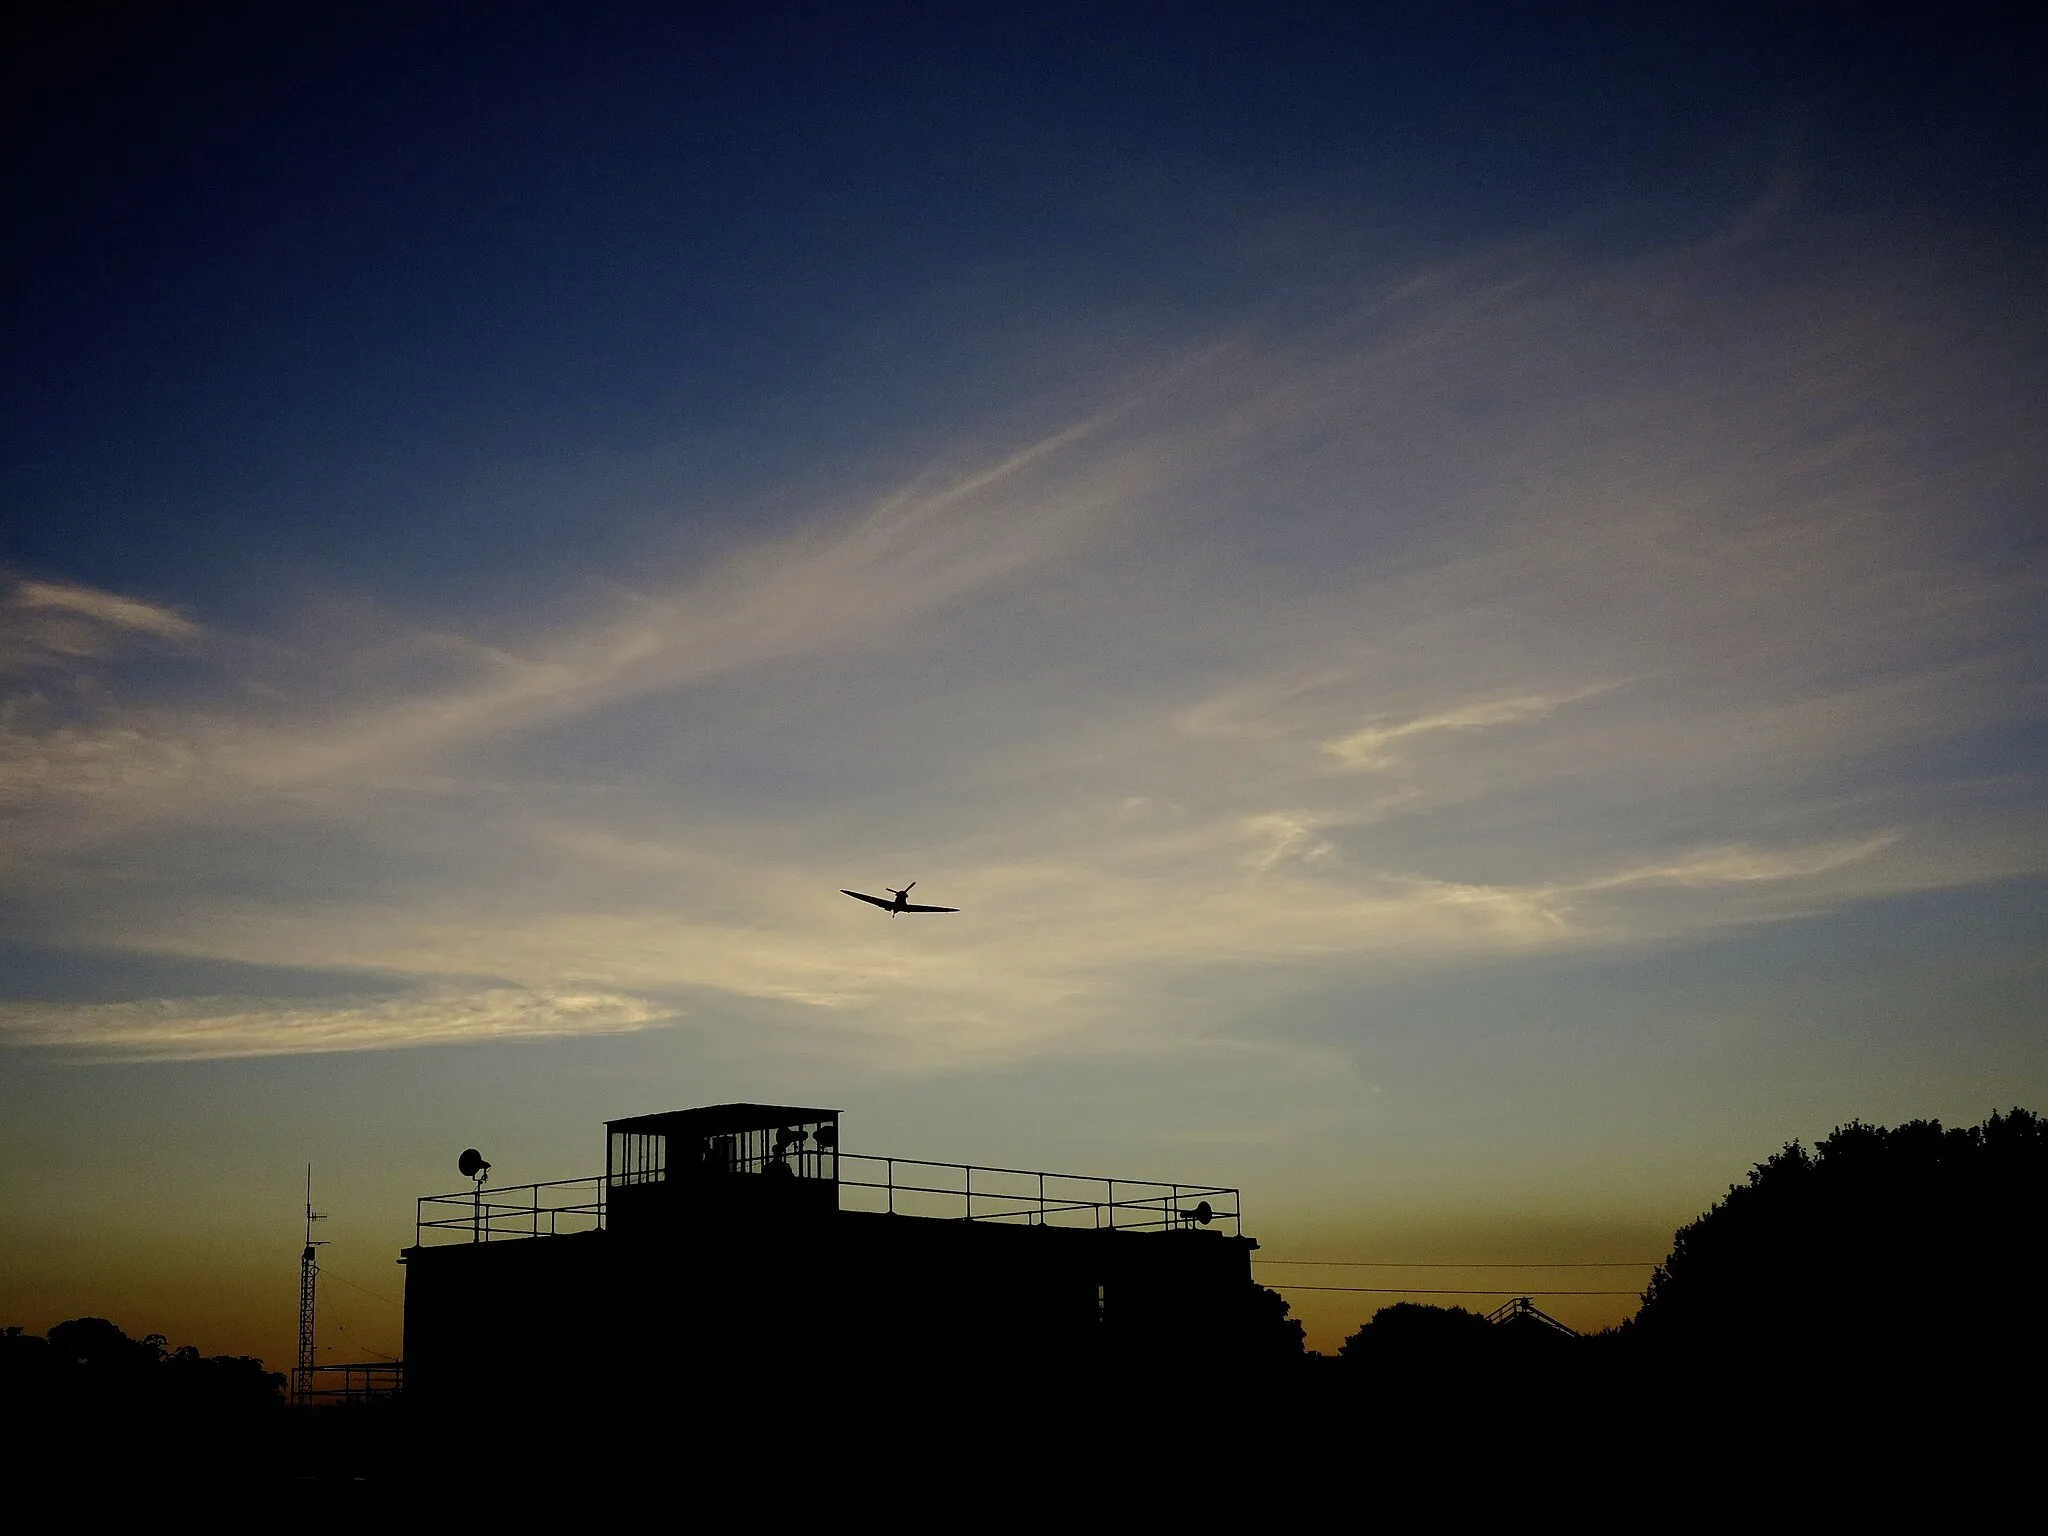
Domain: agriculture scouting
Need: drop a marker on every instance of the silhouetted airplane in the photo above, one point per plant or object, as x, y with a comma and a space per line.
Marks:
899, 904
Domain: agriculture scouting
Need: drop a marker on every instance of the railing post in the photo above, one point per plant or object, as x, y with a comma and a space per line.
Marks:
891, 1177
969, 1185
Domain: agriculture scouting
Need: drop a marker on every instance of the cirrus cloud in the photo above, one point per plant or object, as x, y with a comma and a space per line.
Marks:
1494, 679
186, 1029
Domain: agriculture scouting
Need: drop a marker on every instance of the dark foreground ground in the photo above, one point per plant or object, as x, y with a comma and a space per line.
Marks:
1601, 1438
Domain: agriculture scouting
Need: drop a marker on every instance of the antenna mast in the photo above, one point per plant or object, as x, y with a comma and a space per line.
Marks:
309, 1275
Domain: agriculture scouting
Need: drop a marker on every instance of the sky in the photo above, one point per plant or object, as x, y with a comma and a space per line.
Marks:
1456, 600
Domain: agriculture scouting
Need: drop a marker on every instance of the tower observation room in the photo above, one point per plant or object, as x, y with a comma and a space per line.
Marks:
669, 1166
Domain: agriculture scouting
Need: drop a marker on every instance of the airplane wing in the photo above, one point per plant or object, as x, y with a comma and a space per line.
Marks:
913, 907
871, 900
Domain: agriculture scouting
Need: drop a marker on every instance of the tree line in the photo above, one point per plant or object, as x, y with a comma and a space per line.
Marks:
1885, 1273
89, 1363
1882, 1253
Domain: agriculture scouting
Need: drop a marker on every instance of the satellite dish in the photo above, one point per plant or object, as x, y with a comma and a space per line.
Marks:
472, 1164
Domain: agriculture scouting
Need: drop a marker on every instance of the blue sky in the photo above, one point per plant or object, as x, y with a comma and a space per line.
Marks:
1457, 603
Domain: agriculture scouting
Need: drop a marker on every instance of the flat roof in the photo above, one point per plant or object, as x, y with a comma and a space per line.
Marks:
722, 1119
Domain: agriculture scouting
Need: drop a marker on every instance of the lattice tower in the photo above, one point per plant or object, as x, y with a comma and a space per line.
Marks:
309, 1282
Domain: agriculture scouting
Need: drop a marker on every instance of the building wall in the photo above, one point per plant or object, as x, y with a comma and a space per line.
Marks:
741, 1305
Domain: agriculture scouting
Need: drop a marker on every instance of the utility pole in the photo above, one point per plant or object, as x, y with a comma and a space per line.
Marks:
309, 1276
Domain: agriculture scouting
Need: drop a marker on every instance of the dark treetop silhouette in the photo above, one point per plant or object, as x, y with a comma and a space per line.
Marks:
1890, 1258
88, 1365
1889, 1249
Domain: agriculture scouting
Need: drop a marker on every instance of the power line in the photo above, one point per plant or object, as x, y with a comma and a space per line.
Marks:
373, 1295
359, 1344
1461, 1264
1403, 1290
341, 1323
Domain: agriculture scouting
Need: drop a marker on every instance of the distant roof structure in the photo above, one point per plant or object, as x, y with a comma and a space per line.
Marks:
1522, 1315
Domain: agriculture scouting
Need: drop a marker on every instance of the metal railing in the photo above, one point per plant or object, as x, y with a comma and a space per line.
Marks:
522, 1210
356, 1381
912, 1186
902, 1186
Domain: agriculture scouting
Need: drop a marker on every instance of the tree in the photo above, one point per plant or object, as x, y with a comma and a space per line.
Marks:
1412, 1333
1906, 1248
1270, 1334
90, 1364
96, 1345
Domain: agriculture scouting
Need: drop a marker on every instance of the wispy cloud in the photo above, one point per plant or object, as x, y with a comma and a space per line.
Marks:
1522, 610
46, 623
1368, 746
1086, 939
848, 584
1744, 865
184, 1029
